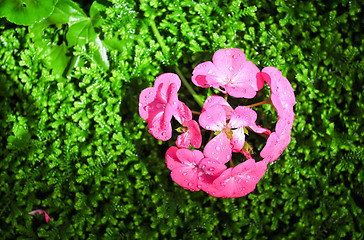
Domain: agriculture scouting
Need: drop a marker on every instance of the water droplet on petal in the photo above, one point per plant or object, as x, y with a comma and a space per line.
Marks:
184, 174
217, 148
230, 68
211, 169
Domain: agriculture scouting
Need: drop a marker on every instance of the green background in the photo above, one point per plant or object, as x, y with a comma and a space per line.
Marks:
72, 141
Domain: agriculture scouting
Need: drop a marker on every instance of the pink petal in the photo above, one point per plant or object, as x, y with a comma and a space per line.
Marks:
282, 92
187, 175
191, 137
204, 75
211, 166
218, 148
259, 129
214, 118
285, 122
275, 146
228, 62
242, 116
40, 211
146, 97
245, 82
183, 113
171, 158
240, 91
218, 100
160, 126
240, 180
163, 81
195, 133
189, 157
210, 170
238, 140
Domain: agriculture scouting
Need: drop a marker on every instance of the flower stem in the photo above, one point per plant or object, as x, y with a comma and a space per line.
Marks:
189, 88
196, 112
158, 36
268, 100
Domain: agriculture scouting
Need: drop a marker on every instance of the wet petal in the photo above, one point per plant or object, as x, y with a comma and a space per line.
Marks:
218, 148
214, 118
242, 116
183, 113
204, 75
238, 140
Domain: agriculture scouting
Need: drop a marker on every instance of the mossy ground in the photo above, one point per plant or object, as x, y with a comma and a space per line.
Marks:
72, 141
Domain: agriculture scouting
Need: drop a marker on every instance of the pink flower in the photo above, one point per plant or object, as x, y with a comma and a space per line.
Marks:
191, 130
190, 169
158, 104
214, 118
229, 72
40, 211
238, 181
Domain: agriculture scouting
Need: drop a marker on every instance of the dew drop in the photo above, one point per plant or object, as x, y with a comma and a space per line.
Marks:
217, 148
199, 186
184, 174
234, 56
211, 169
190, 184
230, 68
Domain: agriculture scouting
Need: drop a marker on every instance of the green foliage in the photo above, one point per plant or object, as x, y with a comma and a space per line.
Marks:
72, 141
26, 12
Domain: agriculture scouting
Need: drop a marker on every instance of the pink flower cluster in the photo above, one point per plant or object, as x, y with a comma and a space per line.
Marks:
206, 170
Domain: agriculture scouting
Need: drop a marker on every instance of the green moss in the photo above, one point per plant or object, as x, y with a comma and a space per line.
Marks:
74, 144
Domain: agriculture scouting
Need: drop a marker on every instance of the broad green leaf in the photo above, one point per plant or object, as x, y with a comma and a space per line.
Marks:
26, 12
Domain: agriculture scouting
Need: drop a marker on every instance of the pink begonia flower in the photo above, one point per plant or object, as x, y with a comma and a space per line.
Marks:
40, 211
240, 180
229, 72
190, 169
192, 134
158, 104
214, 118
